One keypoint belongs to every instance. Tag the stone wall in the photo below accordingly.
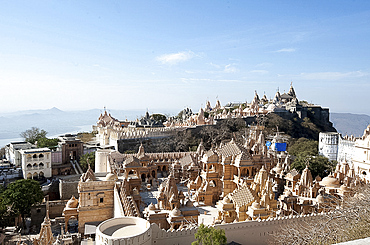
(255, 232)
(38, 212)
(67, 189)
(118, 209)
(259, 232)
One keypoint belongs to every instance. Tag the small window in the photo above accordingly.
(101, 200)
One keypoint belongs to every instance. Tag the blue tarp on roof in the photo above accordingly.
(280, 146)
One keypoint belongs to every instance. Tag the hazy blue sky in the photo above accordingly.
(173, 54)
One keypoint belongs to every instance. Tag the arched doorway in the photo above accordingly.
(72, 225)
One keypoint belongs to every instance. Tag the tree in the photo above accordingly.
(159, 118)
(46, 142)
(2, 152)
(209, 236)
(86, 159)
(21, 195)
(305, 146)
(318, 165)
(306, 152)
(5, 213)
(34, 134)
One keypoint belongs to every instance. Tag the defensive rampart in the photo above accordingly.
(255, 232)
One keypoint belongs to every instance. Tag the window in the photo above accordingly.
(101, 200)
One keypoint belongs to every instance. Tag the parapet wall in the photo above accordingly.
(259, 231)
(179, 237)
(118, 209)
(255, 232)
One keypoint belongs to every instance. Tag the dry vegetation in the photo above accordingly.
(86, 136)
(349, 221)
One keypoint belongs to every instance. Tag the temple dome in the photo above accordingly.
(151, 207)
(256, 205)
(176, 212)
(111, 177)
(226, 199)
(344, 188)
(72, 203)
(330, 181)
(320, 198)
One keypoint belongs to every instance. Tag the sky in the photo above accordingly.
(169, 55)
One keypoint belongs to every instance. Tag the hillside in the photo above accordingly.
(226, 129)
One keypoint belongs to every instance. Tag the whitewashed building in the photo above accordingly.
(346, 147)
(361, 158)
(12, 153)
(36, 163)
(328, 145)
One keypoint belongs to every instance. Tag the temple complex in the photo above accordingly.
(173, 192)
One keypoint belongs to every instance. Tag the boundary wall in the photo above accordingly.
(255, 232)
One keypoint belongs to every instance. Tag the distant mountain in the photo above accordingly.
(56, 121)
(350, 124)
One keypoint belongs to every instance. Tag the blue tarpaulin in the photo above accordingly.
(268, 144)
(280, 146)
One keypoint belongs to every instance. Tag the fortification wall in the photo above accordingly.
(259, 232)
(182, 237)
(255, 232)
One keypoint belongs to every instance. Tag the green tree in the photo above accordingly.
(5, 213)
(46, 142)
(34, 134)
(306, 152)
(86, 159)
(21, 195)
(305, 146)
(2, 152)
(209, 236)
(318, 165)
(159, 117)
